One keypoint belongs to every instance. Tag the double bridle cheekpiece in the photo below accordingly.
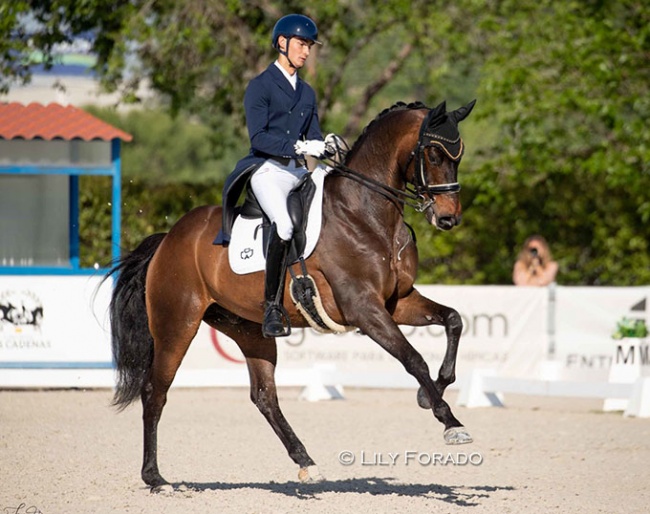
(440, 131)
(436, 130)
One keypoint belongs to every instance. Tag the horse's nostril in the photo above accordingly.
(446, 222)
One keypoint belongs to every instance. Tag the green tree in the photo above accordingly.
(564, 98)
(28, 26)
(170, 149)
(569, 88)
(147, 208)
(198, 55)
(558, 143)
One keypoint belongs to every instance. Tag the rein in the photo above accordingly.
(406, 197)
(412, 197)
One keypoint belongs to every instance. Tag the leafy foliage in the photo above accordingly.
(558, 143)
(564, 88)
(169, 149)
(146, 209)
(630, 328)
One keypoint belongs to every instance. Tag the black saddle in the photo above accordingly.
(298, 204)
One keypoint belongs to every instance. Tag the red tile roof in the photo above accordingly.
(54, 121)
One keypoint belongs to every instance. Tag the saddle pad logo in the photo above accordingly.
(247, 253)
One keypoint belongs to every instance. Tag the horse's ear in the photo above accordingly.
(462, 112)
(439, 110)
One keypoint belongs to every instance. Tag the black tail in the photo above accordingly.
(131, 340)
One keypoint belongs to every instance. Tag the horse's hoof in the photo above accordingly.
(457, 435)
(310, 475)
(423, 400)
(164, 489)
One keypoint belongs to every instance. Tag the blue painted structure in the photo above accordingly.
(74, 172)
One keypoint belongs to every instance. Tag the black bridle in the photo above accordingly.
(429, 138)
(412, 196)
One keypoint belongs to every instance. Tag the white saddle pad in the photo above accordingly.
(245, 251)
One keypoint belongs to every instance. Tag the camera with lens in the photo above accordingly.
(534, 252)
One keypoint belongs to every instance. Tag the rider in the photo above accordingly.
(282, 122)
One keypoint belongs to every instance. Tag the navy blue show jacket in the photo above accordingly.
(276, 117)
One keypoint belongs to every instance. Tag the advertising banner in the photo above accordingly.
(54, 321)
(504, 328)
(61, 322)
(585, 321)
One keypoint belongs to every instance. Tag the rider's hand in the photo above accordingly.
(335, 147)
(313, 148)
(331, 145)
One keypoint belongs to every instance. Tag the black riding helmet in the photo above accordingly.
(295, 25)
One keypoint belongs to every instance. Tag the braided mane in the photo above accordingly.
(399, 106)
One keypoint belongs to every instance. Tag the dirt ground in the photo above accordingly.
(68, 452)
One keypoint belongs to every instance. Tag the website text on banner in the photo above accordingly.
(51, 323)
(505, 328)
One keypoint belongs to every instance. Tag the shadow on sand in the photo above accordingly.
(463, 496)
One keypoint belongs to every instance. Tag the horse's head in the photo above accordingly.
(434, 172)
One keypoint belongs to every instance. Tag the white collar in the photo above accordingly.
(293, 79)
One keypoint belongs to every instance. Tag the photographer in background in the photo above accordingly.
(535, 265)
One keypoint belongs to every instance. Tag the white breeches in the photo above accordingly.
(271, 185)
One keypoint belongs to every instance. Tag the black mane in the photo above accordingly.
(399, 106)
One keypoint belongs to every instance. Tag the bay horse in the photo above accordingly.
(364, 266)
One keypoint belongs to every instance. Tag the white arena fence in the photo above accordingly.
(555, 341)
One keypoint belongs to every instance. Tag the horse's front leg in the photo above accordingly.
(416, 310)
(261, 357)
(376, 322)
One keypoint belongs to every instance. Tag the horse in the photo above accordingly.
(364, 266)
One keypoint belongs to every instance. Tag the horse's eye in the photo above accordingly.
(435, 156)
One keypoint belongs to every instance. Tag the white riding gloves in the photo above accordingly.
(331, 141)
(335, 147)
(313, 148)
(319, 149)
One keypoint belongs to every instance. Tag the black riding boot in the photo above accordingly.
(276, 269)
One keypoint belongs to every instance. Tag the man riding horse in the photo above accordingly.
(282, 122)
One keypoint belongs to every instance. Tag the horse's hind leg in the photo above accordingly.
(173, 326)
(416, 310)
(261, 357)
(154, 398)
(264, 396)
